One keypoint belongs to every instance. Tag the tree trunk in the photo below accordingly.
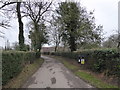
(21, 32)
(56, 47)
(37, 39)
(118, 41)
(72, 43)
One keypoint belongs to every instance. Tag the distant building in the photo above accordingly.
(52, 49)
(47, 49)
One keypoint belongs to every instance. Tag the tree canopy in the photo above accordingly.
(78, 25)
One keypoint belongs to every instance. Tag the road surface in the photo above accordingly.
(53, 74)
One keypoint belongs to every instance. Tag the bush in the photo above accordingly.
(46, 53)
(38, 54)
(13, 63)
(98, 60)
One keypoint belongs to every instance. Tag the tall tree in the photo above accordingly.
(78, 25)
(21, 32)
(42, 34)
(55, 32)
(35, 11)
(111, 42)
(5, 24)
(69, 14)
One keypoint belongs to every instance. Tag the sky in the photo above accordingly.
(105, 12)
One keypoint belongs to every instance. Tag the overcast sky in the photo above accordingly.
(105, 12)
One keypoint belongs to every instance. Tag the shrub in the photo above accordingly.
(13, 63)
(97, 60)
(46, 53)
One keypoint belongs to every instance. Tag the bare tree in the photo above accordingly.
(36, 11)
(55, 32)
(21, 32)
(4, 9)
(5, 23)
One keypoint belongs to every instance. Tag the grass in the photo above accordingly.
(93, 80)
(96, 82)
(70, 66)
(27, 71)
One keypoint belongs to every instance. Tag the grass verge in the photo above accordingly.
(70, 66)
(27, 71)
(94, 81)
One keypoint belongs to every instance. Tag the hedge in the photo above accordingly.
(99, 60)
(13, 63)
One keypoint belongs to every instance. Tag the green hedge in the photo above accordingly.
(100, 60)
(13, 63)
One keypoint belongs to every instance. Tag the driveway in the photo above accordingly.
(53, 74)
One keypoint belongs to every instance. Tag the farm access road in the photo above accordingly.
(53, 74)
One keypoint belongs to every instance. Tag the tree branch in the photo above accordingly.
(7, 3)
(44, 11)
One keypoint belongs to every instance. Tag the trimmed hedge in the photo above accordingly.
(107, 60)
(13, 63)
